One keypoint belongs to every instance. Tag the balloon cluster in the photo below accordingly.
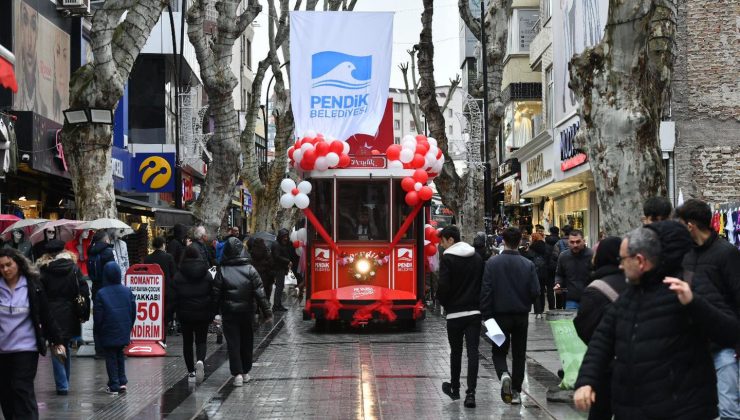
(299, 238)
(416, 188)
(314, 152)
(295, 194)
(416, 152)
(431, 240)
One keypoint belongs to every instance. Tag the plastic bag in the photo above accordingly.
(290, 279)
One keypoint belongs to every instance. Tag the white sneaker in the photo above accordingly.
(199, 370)
(191, 377)
(516, 399)
(238, 380)
(506, 391)
(246, 377)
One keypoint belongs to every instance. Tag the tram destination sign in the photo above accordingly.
(367, 162)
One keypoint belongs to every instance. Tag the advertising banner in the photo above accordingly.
(153, 172)
(340, 76)
(146, 282)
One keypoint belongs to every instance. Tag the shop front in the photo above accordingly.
(513, 209)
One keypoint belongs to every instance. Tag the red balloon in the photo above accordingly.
(435, 240)
(429, 233)
(306, 166)
(295, 191)
(314, 140)
(296, 244)
(426, 193)
(322, 148)
(407, 184)
(309, 156)
(393, 152)
(430, 250)
(412, 198)
(290, 152)
(344, 160)
(337, 147)
(421, 175)
(421, 138)
(422, 148)
(319, 136)
(439, 153)
(418, 161)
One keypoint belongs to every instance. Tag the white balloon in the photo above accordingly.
(287, 201)
(310, 134)
(429, 161)
(406, 156)
(299, 251)
(287, 185)
(305, 187)
(417, 186)
(432, 141)
(297, 156)
(333, 159)
(306, 146)
(293, 236)
(302, 235)
(302, 201)
(408, 137)
(346, 148)
(395, 164)
(409, 145)
(321, 164)
(437, 167)
(433, 150)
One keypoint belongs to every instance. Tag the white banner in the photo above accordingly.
(340, 64)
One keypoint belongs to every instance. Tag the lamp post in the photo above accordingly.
(265, 110)
(487, 199)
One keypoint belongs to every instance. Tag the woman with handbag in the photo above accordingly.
(69, 302)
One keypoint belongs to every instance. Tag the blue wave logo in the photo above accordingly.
(335, 69)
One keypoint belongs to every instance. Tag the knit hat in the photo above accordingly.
(607, 253)
(54, 246)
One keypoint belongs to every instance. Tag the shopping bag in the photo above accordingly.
(290, 279)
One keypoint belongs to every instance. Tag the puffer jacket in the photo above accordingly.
(62, 280)
(574, 272)
(237, 284)
(460, 275)
(191, 291)
(115, 309)
(662, 366)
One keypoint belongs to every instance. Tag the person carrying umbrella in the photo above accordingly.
(19, 242)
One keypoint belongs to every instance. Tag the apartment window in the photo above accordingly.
(522, 30)
(412, 126)
(450, 130)
(550, 94)
(449, 112)
(249, 54)
(397, 140)
(243, 52)
(396, 124)
(396, 108)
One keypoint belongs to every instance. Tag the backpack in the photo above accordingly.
(541, 266)
(95, 267)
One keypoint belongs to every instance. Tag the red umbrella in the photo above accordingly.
(7, 220)
(7, 75)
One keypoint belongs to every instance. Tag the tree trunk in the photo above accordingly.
(622, 83)
(116, 42)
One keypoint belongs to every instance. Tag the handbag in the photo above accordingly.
(81, 303)
(290, 279)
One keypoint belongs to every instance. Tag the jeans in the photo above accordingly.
(572, 304)
(200, 330)
(17, 396)
(727, 367)
(514, 327)
(61, 370)
(457, 328)
(279, 286)
(239, 342)
(115, 364)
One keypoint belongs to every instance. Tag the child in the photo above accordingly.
(114, 313)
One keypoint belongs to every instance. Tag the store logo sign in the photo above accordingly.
(322, 262)
(570, 156)
(154, 172)
(536, 170)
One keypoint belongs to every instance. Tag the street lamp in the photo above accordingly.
(267, 100)
(88, 116)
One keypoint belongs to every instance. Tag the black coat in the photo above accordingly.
(207, 253)
(262, 261)
(281, 257)
(510, 285)
(236, 287)
(44, 324)
(176, 248)
(662, 366)
(460, 274)
(574, 272)
(594, 303)
(539, 255)
(62, 280)
(165, 261)
(192, 288)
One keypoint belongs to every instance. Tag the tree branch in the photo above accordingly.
(471, 21)
(404, 69)
(451, 91)
(247, 17)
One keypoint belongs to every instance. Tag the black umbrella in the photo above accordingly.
(266, 236)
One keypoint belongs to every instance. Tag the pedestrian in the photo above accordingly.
(176, 245)
(538, 254)
(191, 300)
(25, 325)
(114, 312)
(166, 263)
(235, 289)
(573, 271)
(460, 273)
(479, 243)
(99, 254)
(63, 283)
(200, 240)
(120, 250)
(713, 257)
(262, 262)
(39, 248)
(281, 264)
(510, 286)
(19, 242)
(656, 209)
(655, 337)
(608, 283)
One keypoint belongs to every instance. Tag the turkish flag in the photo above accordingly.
(7, 75)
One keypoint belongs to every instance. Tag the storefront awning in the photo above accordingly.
(556, 189)
(163, 217)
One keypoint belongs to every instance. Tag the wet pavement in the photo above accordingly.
(375, 372)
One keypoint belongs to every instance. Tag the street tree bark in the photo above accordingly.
(119, 31)
(214, 57)
(263, 180)
(623, 84)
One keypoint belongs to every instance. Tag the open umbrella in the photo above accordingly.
(106, 223)
(65, 229)
(7, 220)
(266, 236)
(26, 224)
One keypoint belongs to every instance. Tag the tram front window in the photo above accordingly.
(362, 211)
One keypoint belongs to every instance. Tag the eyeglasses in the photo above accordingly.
(621, 258)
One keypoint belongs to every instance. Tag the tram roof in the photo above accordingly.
(363, 173)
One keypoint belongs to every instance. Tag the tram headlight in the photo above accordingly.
(362, 266)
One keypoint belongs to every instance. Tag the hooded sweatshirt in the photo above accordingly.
(460, 272)
(115, 309)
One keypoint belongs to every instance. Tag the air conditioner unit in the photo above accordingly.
(73, 8)
(75, 3)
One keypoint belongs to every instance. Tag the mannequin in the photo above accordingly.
(78, 246)
(40, 248)
(120, 250)
(18, 241)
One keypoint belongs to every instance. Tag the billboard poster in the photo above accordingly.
(42, 64)
(153, 172)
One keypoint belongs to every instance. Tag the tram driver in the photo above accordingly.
(363, 228)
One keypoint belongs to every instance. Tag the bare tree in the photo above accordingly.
(214, 57)
(622, 84)
(119, 31)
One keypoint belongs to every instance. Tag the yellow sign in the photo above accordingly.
(155, 172)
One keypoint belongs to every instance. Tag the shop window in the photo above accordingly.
(402, 211)
(362, 210)
(323, 200)
(523, 122)
(522, 30)
(396, 107)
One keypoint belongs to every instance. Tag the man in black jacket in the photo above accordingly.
(719, 261)
(574, 269)
(176, 245)
(166, 262)
(282, 263)
(509, 288)
(656, 334)
(460, 271)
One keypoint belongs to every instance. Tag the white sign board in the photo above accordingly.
(148, 290)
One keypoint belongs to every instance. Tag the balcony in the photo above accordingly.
(539, 45)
